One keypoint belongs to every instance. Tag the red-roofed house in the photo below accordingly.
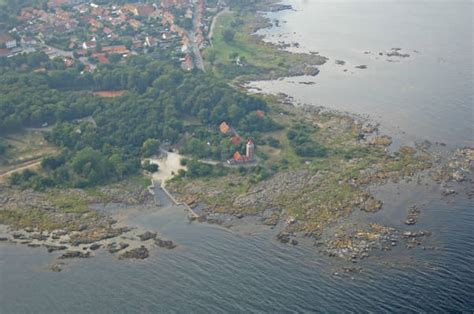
(120, 49)
(224, 127)
(8, 41)
(101, 58)
(89, 45)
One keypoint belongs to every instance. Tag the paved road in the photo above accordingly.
(197, 57)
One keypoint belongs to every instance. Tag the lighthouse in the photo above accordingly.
(250, 150)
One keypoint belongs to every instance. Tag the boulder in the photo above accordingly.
(138, 253)
(53, 248)
(147, 236)
(75, 254)
(167, 244)
(283, 237)
(95, 246)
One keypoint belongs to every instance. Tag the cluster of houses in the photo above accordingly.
(93, 30)
(236, 139)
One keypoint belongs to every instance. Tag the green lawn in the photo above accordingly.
(259, 57)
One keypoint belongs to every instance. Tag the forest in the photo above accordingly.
(104, 139)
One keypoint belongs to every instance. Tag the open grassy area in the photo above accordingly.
(24, 148)
(257, 58)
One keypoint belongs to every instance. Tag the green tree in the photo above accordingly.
(150, 147)
(228, 35)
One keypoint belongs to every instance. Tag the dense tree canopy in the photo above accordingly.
(103, 138)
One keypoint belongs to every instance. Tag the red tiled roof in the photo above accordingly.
(4, 52)
(236, 140)
(120, 49)
(224, 127)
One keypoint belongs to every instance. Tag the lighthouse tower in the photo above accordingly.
(250, 150)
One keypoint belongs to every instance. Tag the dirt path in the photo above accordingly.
(214, 21)
(31, 164)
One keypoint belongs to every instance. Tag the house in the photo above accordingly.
(146, 10)
(87, 45)
(150, 42)
(249, 156)
(188, 64)
(8, 41)
(224, 127)
(81, 52)
(68, 62)
(28, 41)
(135, 24)
(101, 58)
(119, 49)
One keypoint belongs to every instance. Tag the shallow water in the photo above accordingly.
(427, 96)
(215, 270)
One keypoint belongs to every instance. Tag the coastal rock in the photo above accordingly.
(95, 246)
(55, 268)
(280, 7)
(424, 145)
(114, 247)
(447, 192)
(40, 237)
(148, 235)
(20, 236)
(75, 254)
(383, 140)
(137, 253)
(412, 217)
(311, 70)
(283, 237)
(167, 244)
(54, 248)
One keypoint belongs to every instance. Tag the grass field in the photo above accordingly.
(26, 147)
(257, 56)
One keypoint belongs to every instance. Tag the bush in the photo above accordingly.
(150, 167)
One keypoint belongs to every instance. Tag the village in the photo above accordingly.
(79, 31)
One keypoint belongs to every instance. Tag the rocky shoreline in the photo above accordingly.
(37, 220)
(261, 204)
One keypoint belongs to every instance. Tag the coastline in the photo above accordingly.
(235, 201)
